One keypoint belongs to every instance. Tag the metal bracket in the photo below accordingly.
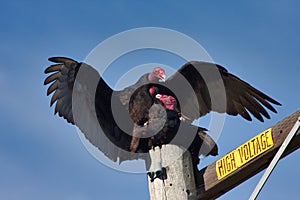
(154, 165)
(275, 160)
(161, 174)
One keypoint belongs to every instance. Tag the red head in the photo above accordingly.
(152, 90)
(158, 74)
(169, 101)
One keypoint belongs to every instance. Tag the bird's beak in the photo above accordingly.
(163, 78)
(158, 96)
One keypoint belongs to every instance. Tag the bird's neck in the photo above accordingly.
(152, 78)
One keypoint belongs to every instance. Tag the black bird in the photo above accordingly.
(158, 118)
(104, 116)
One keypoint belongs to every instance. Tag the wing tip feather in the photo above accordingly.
(60, 59)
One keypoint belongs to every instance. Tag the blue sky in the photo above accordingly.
(42, 157)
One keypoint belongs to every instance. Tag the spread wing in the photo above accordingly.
(202, 87)
(62, 81)
(84, 99)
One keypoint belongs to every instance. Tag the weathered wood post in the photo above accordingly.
(178, 180)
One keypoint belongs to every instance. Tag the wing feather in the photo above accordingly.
(263, 101)
(86, 103)
(54, 97)
(251, 108)
(53, 68)
(241, 110)
(57, 106)
(52, 77)
(52, 87)
(218, 90)
(258, 106)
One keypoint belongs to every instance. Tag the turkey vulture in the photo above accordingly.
(163, 131)
(157, 118)
(84, 99)
(106, 118)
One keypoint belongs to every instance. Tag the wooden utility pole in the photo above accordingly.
(224, 174)
(178, 179)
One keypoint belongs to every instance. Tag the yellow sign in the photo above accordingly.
(244, 153)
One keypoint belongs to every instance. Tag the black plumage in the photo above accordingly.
(107, 118)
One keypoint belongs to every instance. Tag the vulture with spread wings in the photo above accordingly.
(108, 118)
